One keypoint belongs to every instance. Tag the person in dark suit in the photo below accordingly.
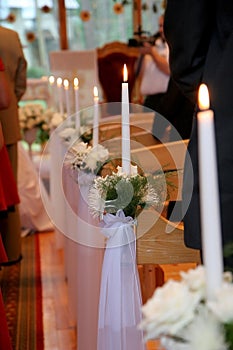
(165, 97)
(200, 38)
(12, 55)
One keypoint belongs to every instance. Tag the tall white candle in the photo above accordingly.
(76, 98)
(125, 124)
(52, 93)
(209, 195)
(96, 118)
(67, 97)
(60, 95)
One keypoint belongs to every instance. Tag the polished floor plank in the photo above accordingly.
(59, 332)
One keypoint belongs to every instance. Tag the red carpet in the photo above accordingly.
(22, 294)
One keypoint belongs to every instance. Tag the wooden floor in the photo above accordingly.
(59, 332)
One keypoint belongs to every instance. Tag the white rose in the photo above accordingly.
(205, 332)
(91, 161)
(222, 306)
(101, 152)
(82, 147)
(56, 119)
(195, 280)
(67, 132)
(169, 310)
(30, 123)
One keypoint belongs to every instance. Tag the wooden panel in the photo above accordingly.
(169, 156)
(163, 242)
(160, 241)
(140, 132)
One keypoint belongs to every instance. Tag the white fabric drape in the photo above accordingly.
(90, 250)
(34, 200)
(120, 295)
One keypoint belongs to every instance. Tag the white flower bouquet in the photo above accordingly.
(130, 193)
(180, 315)
(31, 116)
(35, 116)
(81, 156)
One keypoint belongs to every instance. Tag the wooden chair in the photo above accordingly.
(111, 59)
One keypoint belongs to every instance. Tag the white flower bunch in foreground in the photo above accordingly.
(182, 318)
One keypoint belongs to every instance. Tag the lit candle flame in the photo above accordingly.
(203, 97)
(66, 84)
(76, 83)
(125, 73)
(59, 82)
(51, 80)
(95, 91)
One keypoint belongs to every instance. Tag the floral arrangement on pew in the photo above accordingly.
(37, 122)
(127, 193)
(70, 134)
(180, 315)
(83, 157)
(117, 200)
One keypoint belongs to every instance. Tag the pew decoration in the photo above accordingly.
(37, 123)
(117, 199)
(128, 193)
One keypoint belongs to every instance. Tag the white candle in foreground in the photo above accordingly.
(76, 98)
(96, 118)
(67, 97)
(60, 95)
(125, 124)
(209, 195)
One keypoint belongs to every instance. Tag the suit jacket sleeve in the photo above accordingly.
(188, 25)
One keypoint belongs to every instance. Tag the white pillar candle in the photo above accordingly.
(125, 124)
(67, 97)
(60, 95)
(209, 195)
(76, 98)
(96, 118)
(52, 94)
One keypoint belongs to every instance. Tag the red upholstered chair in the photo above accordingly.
(111, 59)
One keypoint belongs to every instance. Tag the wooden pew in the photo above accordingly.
(140, 132)
(160, 241)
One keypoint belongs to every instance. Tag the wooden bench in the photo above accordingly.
(160, 241)
(140, 132)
